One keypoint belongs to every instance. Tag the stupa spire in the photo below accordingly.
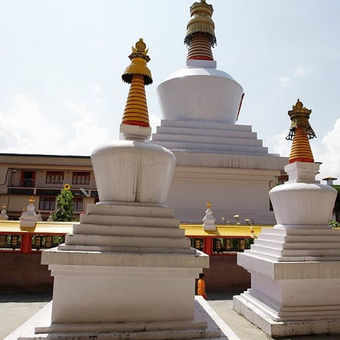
(300, 132)
(200, 35)
(138, 75)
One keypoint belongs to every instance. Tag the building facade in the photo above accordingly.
(43, 177)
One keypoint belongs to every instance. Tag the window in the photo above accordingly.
(78, 204)
(225, 245)
(197, 243)
(46, 203)
(54, 177)
(27, 179)
(81, 178)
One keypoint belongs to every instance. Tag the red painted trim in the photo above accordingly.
(135, 122)
(239, 108)
(200, 58)
(306, 160)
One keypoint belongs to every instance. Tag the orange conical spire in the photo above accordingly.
(200, 35)
(138, 75)
(300, 132)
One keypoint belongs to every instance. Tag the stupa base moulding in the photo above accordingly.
(205, 325)
(256, 313)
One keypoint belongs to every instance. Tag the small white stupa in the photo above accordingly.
(295, 267)
(3, 214)
(28, 218)
(127, 271)
(200, 105)
(209, 219)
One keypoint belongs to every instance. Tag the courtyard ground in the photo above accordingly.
(17, 308)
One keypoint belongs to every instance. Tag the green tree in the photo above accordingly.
(64, 211)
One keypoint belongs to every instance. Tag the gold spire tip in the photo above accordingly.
(201, 22)
(300, 131)
(299, 116)
(139, 57)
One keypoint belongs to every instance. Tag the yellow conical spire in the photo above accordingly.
(200, 35)
(300, 132)
(138, 75)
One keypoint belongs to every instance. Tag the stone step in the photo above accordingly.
(129, 210)
(203, 124)
(299, 245)
(295, 252)
(129, 220)
(299, 258)
(145, 335)
(205, 132)
(129, 326)
(299, 238)
(208, 147)
(129, 241)
(207, 139)
(303, 230)
(128, 249)
(118, 230)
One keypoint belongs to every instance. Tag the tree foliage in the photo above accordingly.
(64, 211)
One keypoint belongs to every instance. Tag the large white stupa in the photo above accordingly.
(217, 160)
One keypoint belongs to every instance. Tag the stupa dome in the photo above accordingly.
(199, 91)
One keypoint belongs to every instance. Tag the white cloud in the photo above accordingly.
(328, 152)
(87, 133)
(278, 144)
(25, 128)
(154, 120)
(294, 73)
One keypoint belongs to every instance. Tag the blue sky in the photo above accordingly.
(61, 64)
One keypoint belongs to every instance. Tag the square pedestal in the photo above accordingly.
(206, 324)
(291, 298)
(121, 287)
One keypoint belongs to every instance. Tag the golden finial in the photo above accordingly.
(208, 205)
(138, 75)
(31, 200)
(3, 207)
(299, 116)
(139, 57)
(201, 22)
(300, 131)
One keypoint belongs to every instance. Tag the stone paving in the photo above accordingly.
(17, 308)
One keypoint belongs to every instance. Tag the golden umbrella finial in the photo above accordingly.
(300, 131)
(200, 36)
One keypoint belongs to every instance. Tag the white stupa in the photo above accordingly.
(295, 267)
(217, 160)
(127, 271)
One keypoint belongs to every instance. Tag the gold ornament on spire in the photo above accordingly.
(139, 57)
(300, 131)
(201, 22)
(138, 75)
(299, 116)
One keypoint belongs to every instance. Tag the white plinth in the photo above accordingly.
(222, 163)
(159, 290)
(205, 325)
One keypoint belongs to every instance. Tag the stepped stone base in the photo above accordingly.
(295, 281)
(206, 325)
(257, 313)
